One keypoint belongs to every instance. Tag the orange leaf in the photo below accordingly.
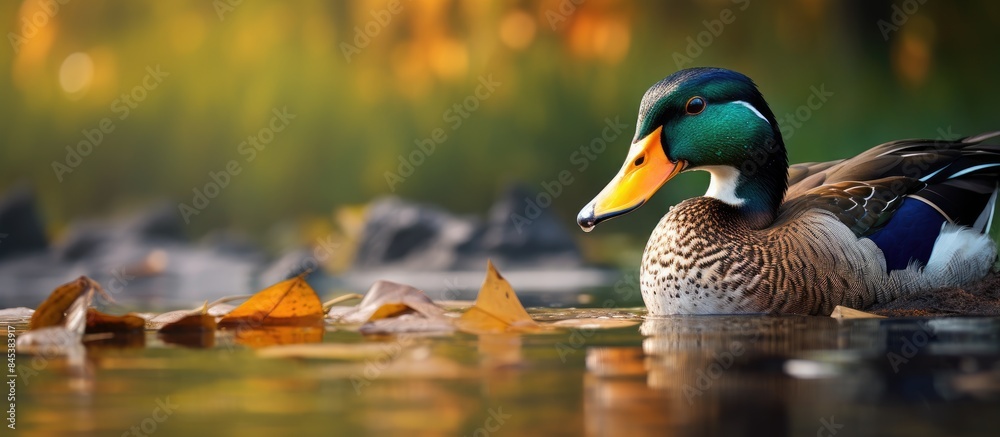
(101, 322)
(497, 308)
(289, 302)
(52, 312)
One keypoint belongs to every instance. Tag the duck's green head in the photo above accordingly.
(709, 119)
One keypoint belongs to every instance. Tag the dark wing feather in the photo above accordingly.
(959, 177)
(799, 172)
(863, 206)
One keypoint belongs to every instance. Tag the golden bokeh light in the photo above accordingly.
(76, 73)
(517, 29)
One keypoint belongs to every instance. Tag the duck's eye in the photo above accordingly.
(695, 105)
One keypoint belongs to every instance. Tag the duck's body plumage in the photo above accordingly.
(903, 217)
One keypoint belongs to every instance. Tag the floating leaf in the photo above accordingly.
(217, 308)
(196, 329)
(52, 312)
(842, 312)
(191, 322)
(161, 320)
(101, 322)
(15, 315)
(196, 320)
(350, 296)
(497, 308)
(389, 308)
(220, 310)
(386, 299)
(57, 327)
(289, 302)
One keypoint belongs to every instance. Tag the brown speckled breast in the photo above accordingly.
(703, 259)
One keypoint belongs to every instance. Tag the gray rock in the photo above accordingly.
(140, 259)
(406, 235)
(288, 266)
(160, 221)
(524, 234)
(21, 227)
(158, 224)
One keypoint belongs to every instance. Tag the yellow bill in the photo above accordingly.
(645, 171)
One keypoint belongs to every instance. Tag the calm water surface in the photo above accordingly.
(721, 375)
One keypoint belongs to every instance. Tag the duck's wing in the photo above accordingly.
(863, 206)
(799, 172)
(956, 178)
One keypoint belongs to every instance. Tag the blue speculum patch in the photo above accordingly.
(909, 235)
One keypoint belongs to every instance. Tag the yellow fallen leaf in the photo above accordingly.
(497, 308)
(52, 312)
(842, 312)
(290, 302)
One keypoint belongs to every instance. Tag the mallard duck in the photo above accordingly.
(903, 217)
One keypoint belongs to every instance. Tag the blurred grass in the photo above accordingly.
(559, 83)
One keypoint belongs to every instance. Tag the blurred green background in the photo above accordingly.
(563, 68)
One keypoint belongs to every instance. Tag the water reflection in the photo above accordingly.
(796, 375)
(677, 376)
(277, 335)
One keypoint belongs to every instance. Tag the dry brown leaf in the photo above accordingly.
(192, 339)
(101, 322)
(196, 329)
(190, 323)
(288, 303)
(52, 312)
(160, 320)
(497, 308)
(64, 338)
